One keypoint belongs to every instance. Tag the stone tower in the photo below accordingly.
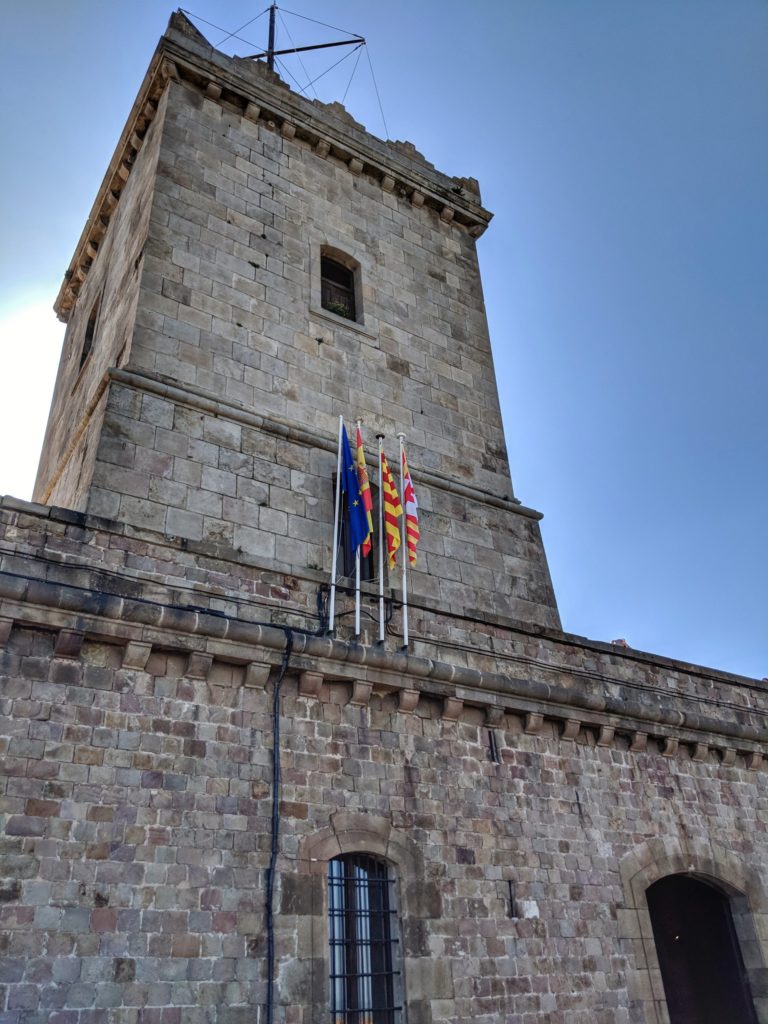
(213, 812)
(203, 374)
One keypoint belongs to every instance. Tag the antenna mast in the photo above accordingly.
(271, 43)
(270, 53)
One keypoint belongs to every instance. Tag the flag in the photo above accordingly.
(365, 491)
(411, 513)
(392, 511)
(350, 486)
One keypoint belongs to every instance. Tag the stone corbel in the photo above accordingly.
(69, 644)
(452, 708)
(570, 729)
(605, 736)
(407, 700)
(700, 752)
(639, 742)
(494, 716)
(754, 760)
(213, 91)
(288, 130)
(447, 214)
(361, 693)
(256, 674)
(533, 723)
(124, 171)
(136, 141)
(387, 182)
(310, 683)
(136, 655)
(198, 665)
(670, 746)
(169, 71)
(6, 625)
(728, 756)
(417, 198)
(91, 250)
(322, 148)
(355, 165)
(252, 111)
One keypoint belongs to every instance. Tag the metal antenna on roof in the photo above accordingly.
(270, 53)
(271, 43)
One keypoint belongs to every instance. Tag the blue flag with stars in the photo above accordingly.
(350, 486)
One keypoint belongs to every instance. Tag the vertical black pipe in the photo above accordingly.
(271, 44)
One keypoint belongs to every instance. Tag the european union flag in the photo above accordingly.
(350, 485)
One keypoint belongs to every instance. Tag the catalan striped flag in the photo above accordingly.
(411, 513)
(365, 492)
(392, 511)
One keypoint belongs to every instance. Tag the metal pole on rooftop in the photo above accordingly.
(271, 44)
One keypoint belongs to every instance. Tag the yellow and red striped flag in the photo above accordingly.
(365, 493)
(411, 513)
(392, 511)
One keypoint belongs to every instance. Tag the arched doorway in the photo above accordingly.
(698, 950)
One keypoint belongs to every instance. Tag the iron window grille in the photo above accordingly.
(363, 942)
(337, 288)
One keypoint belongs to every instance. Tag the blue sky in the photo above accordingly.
(623, 148)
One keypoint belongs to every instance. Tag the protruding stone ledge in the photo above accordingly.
(361, 693)
(322, 148)
(257, 674)
(728, 756)
(639, 742)
(452, 708)
(69, 644)
(606, 735)
(700, 752)
(754, 760)
(571, 728)
(198, 665)
(355, 166)
(533, 723)
(136, 655)
(407, 701)
(447, 214)
(417, 198)
(252, 111)
(6, 625)
(288, 130)
(494, 716)
(669, 749)
(310, 683)
(213, 91)
(388, 183)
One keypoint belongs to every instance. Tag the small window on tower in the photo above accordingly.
(337, 283)
(90, 333)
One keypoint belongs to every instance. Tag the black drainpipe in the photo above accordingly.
(276, 791)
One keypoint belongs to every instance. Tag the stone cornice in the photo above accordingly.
(670, 719)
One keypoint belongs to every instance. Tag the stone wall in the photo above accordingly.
(73, 434)
(136, 693)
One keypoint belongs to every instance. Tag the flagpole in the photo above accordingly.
(332, 604)
(380, 439)
(357, 571)
(404, 546)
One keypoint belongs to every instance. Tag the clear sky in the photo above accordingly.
(623, 147)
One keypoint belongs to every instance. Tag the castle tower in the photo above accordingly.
(212, 811)
(255, 265)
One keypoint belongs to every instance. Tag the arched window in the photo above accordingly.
(362, 929)
(337, 287)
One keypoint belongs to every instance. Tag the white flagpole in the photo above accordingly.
(336, 510)
(357, 593)
(403, 546)
(380, 439)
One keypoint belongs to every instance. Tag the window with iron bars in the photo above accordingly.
(337, 288)
(363, 941)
